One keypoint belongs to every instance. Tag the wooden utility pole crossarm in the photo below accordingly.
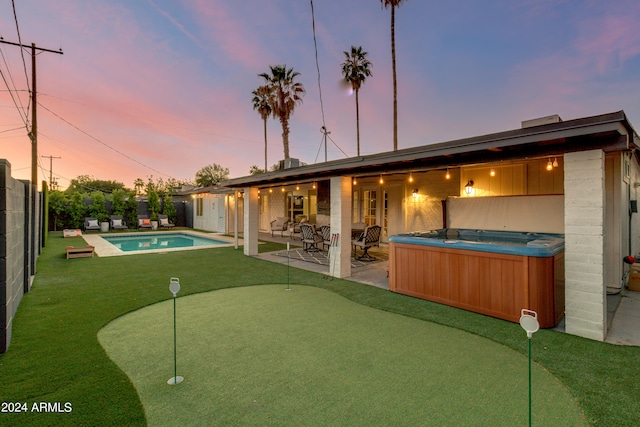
(33, 134)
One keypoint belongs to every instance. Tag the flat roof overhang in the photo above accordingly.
(609, 132)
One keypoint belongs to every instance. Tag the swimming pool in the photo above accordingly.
(160, 241)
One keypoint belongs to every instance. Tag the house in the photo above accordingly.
(586, 169)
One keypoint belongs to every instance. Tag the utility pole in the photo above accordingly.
(33, 134)
(51, 169)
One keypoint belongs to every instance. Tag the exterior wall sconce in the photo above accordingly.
(469, 188)
(415, 193)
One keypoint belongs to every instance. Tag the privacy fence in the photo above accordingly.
(20, 244)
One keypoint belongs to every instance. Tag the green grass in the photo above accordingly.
(55, 355)
(260, 355)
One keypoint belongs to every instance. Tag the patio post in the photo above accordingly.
(251, 221)
(341, 189)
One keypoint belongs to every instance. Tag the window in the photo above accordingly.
(369, 207)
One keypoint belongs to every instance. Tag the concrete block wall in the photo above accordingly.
(585, 292)
(14, 256)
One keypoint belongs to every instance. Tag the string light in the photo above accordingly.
(410, 177)
(447, 175)
(381, 180)
(555, 162)
(355, 181)
(549, 165)
(493, 172)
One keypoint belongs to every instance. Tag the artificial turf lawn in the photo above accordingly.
(55, 355)
(262, 355)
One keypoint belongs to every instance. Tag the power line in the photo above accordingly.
(103, 143)
(24, 64)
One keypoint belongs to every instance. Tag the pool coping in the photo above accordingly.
(105, 249)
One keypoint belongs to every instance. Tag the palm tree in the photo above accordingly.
(356, 68)
(262, 103)
(394, 4)
(286, 93)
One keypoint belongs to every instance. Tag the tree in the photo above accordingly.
(356, 68)
(139, 185)
(211, 175)
(57, 208)
(88, 184)
(254, 170)
(131, 209)
(262, 103)
(98, 208)
(285, 94)
(393, 4)
(168, 209)
(118, 202)
(76, 210)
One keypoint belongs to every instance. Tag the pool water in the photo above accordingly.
(159, 241)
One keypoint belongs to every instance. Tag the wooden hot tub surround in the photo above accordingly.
(491, 283)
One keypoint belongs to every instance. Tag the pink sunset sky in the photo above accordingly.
(162, 88)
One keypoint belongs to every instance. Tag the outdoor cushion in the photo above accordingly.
(145, 221)
(164, 221)
(93, 223)
(117, 222)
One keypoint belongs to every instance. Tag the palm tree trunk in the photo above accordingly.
(285, 136)
(357, 122)
(265, 145)
(395, 85)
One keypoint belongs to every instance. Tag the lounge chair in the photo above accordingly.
(369, 238)
(310, 238)
(91, 224)
(144, 222)
(163, 221)
(117, 223)
(279, 225)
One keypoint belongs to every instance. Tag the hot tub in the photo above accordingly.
(497, 273)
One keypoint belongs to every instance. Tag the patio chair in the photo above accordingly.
(310, 238)
(294, 227)
(325, 232)
(280, 225)
(91, 224)
(117, 223)
(164, 221)
(369, 238)
(144, 222)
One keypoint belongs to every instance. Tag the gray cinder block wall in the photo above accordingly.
(19, 245)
